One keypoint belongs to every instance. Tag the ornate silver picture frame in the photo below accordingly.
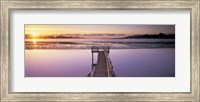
(8, 5)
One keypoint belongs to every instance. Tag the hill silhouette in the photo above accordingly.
(155, 36)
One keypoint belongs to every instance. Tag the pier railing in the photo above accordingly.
(96, 49)
(109, 65)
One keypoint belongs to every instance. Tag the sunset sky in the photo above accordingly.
(38, 29)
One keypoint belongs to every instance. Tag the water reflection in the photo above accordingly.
(34, 41)
(34, 44)
(144, 62)
(77, 63)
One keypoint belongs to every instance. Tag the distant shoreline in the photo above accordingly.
(154, 36)
(103, 36)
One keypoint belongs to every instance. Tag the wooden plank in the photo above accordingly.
(101, 69)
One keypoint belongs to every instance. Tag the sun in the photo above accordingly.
(34, 34)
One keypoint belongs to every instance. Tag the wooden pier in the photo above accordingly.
(103, 67)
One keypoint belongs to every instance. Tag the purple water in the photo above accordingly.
(77, 63)
(144, 62)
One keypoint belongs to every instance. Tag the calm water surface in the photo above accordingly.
(157, 62)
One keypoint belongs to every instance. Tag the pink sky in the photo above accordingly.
(38, 29)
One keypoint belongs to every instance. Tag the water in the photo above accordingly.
(144, 62)
(87, 43)
(73, 58)
(154, 62)
(57, 63)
